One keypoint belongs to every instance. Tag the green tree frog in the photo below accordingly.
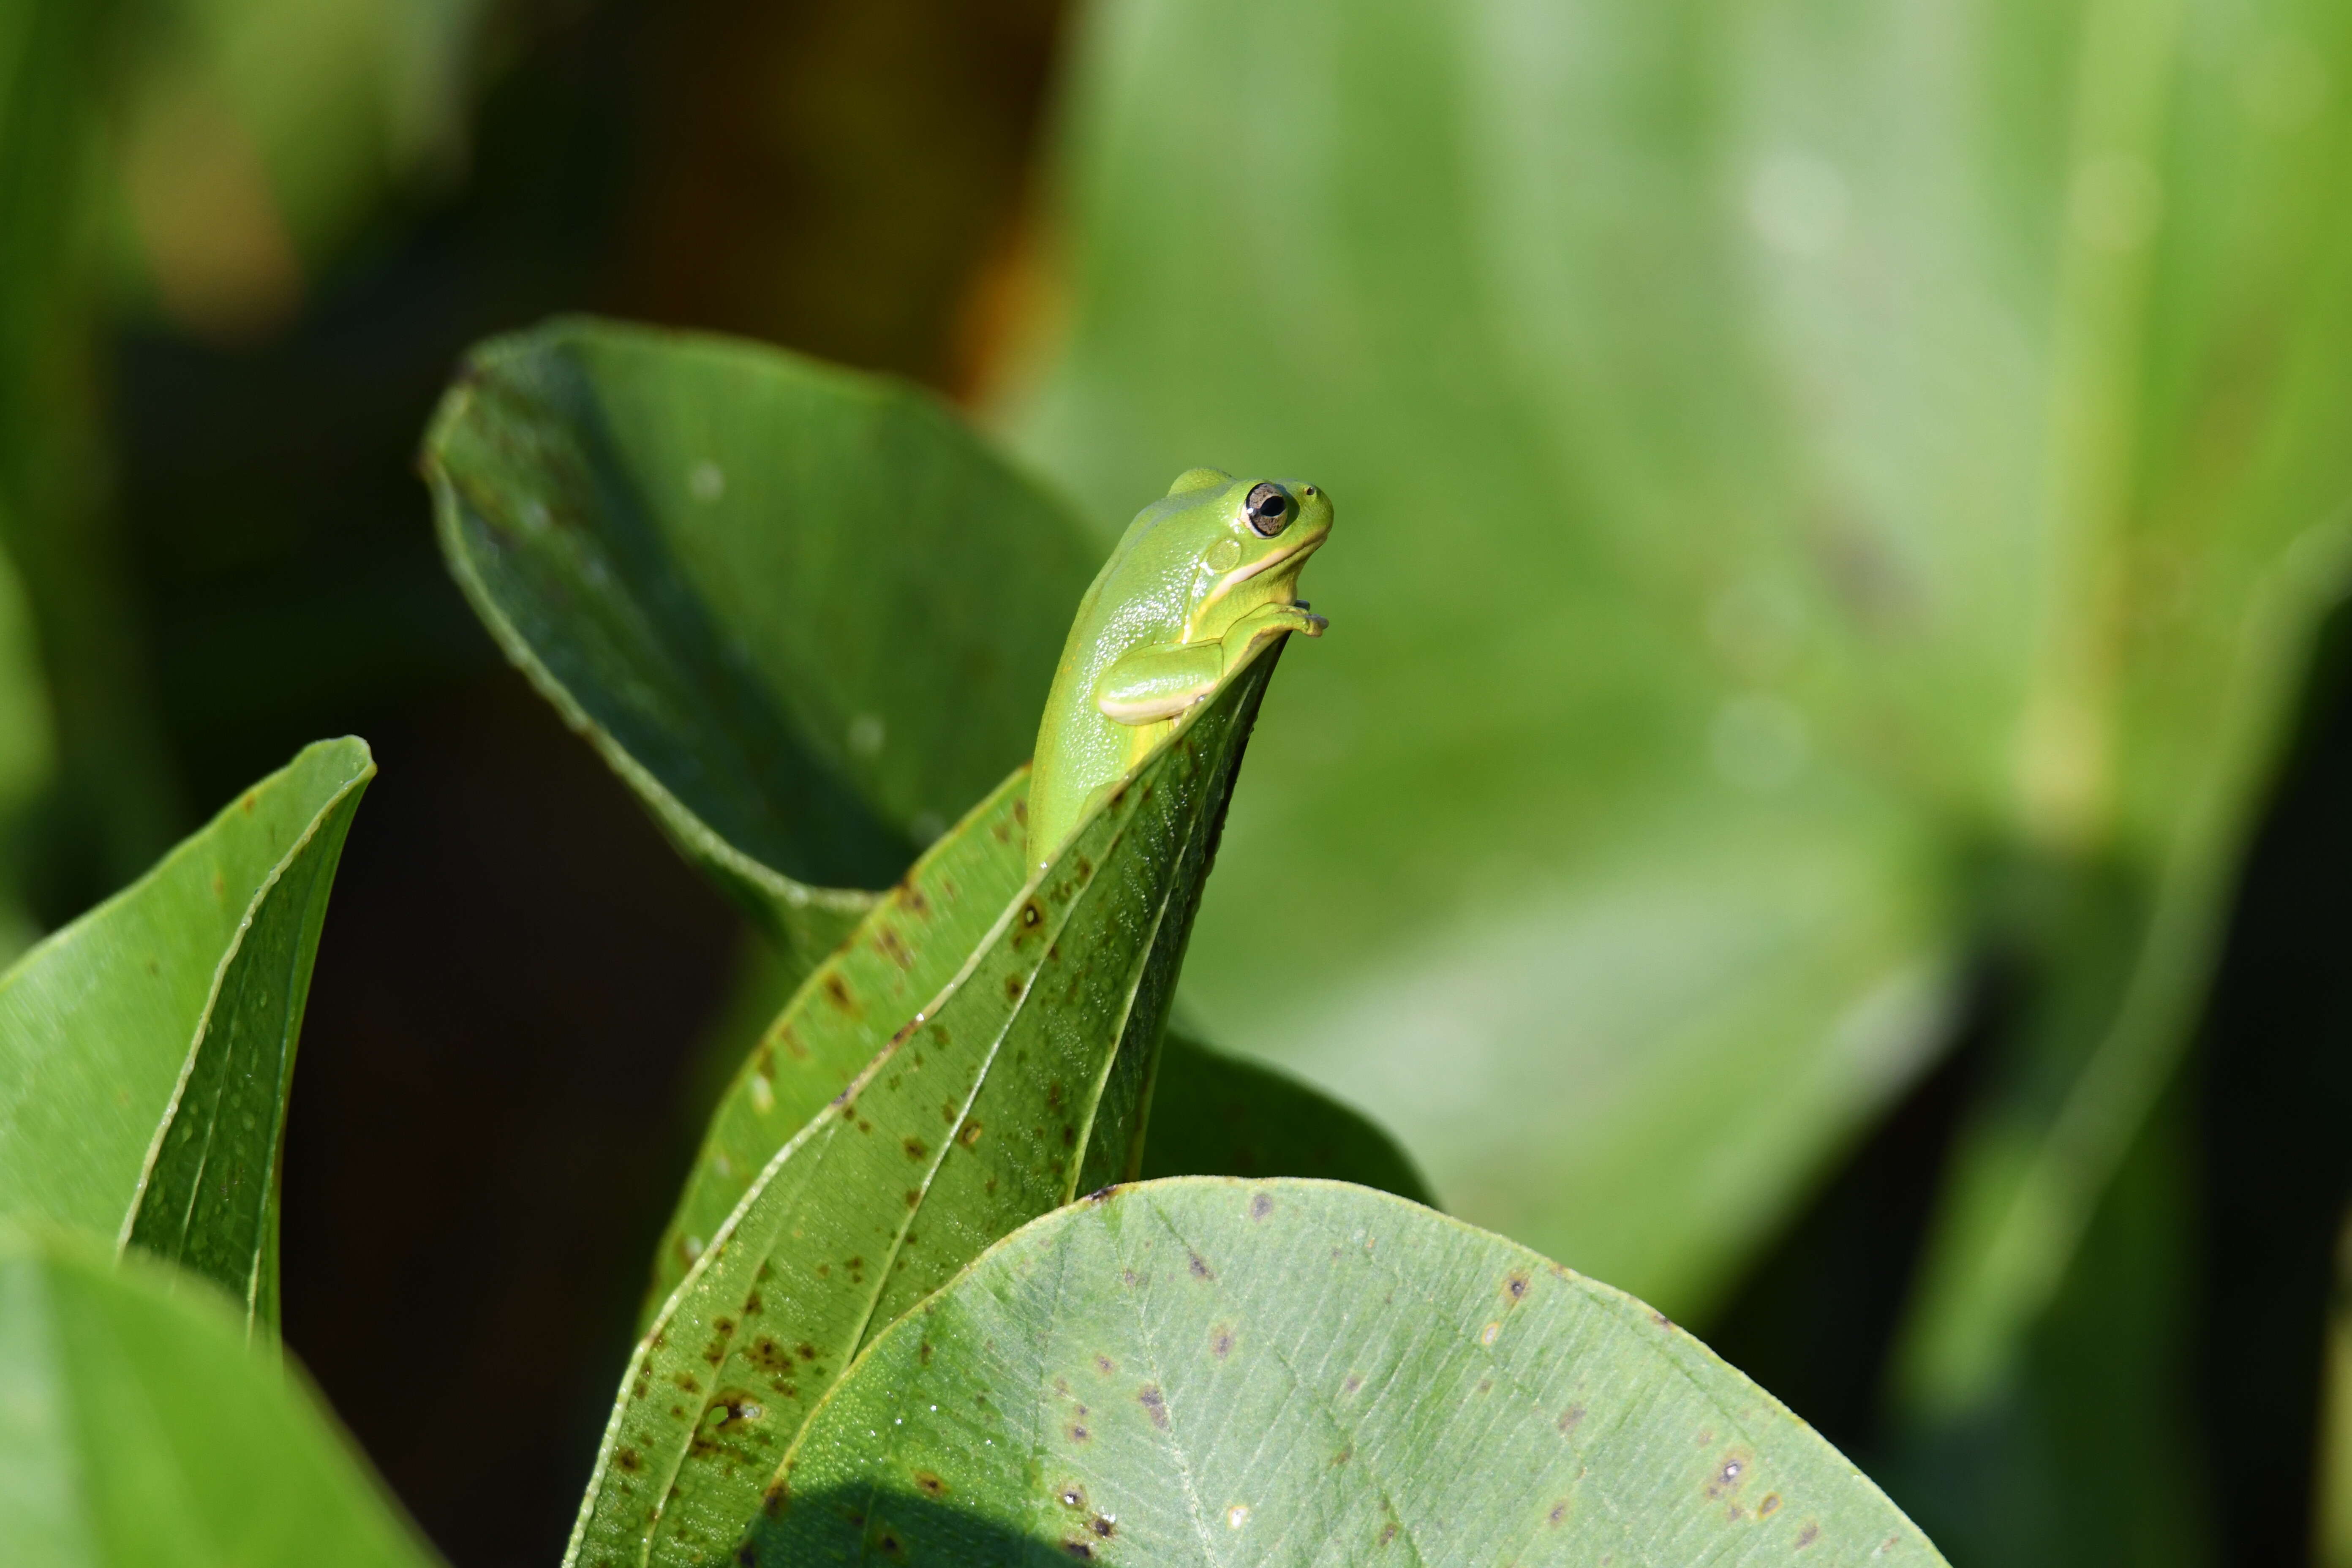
(1202, 579)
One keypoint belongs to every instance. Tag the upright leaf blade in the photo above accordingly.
(146, 1051)
(805, 614)
(1209, 1372)
(1019, 1085)
(140, 1429)
(902, 956)
(1210, 1114)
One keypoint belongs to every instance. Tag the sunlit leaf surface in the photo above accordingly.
(1018, 1085)
(1218, 1372)
(147, 1049)
(1210, 1114)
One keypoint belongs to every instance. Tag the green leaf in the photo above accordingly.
(907, 952)
(140, 1429)
(1021, 1083)
(1214, 1371)
(1781, 454)
(1209, 1115)
(805, 614)
(1215, 1115)
(147, 1049)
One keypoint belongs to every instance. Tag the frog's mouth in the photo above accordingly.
(1300, 548)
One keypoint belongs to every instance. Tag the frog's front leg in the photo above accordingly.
(1148, 684)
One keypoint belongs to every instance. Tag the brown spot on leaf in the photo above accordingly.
(916, 1149)
(1080, 1550)
(1559, 1514)
(1355, 1380)
(1155, 1404)
(836, 991)
(1770, 1506)
(1571, 1417)
(1013, 987)
(970, 1136)
(1079, 1434)
(1388, 1533)
(1104, 1364)
(929, 1485)
(1103, 1525)
(1807, 1536)
(1221, 1342)
(1261, 1205)
(1074, 1496)
(630, 1460)
(1200, 1267)
(1515, 1286)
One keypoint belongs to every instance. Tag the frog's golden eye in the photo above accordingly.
(1268, 508)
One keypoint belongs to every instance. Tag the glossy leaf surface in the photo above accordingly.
(147, 1049)
(1210, 1114)
(1780, 455)
(805, 614)
(1019, 1085)
(139, 1430)
(1218, 1372)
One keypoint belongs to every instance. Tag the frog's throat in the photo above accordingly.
(1293, 559)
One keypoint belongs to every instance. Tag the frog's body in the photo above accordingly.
(1201, 578)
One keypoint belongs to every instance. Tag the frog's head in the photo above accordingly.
(1247, 539)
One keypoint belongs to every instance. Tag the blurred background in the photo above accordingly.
(1824, 804)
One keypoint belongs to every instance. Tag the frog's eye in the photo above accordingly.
(1268, 508)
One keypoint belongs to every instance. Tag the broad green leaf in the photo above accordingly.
(147, 1049)
(1209, 1115)
(138, 1430)
(1785, 454)
(1215, 1115)
(904, 954)
(805, 614)
(1219, 1372)
(1020, 1084)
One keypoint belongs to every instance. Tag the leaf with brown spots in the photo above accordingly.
(931, 920)
(1240, 1443)
(1058, 1064)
